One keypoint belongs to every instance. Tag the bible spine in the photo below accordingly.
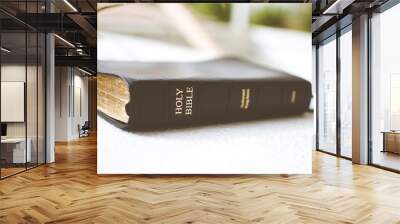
(163, 104)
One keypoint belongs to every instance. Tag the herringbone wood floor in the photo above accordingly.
(69, 191)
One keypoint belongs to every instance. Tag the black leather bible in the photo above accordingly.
(153, 96)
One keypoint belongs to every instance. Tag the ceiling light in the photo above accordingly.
(64, 40)
(5, 50)
(79, 51)
(84, 71)
(70, 5)
(337, 7)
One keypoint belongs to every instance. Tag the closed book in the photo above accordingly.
(153, 96)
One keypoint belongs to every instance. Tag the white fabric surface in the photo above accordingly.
(258, 147)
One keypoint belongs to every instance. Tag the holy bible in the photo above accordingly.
(153, 96)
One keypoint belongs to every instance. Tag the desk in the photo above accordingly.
(391, 141)
(13, 150)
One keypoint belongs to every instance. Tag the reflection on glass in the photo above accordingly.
(327, 97)
(13, 86)
(41, 98)
(31, 100)
(386, 89)
(22, 92)
(394, 102)
(346, 94)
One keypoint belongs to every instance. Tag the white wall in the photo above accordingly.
(80, 109)
(12, 73)
(70, 84)
(33, 125)
(61, 103)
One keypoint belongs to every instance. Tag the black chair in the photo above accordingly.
(84, 130)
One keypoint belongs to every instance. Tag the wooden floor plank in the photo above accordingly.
(70, 191)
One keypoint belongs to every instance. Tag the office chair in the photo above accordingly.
(84, 130)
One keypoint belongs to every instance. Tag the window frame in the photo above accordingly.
(333, 37)
(380, 9)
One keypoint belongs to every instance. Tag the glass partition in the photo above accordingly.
(23, 91)
(31, 99)
(41, 109)
(13, 94)
(385, 89)
(346, 94)
(327, 96)
(32, 83)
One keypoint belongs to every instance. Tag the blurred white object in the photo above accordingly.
(189, 26)
(120, 47)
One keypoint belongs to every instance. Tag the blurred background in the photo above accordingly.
(274, 15)
(276, 35)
